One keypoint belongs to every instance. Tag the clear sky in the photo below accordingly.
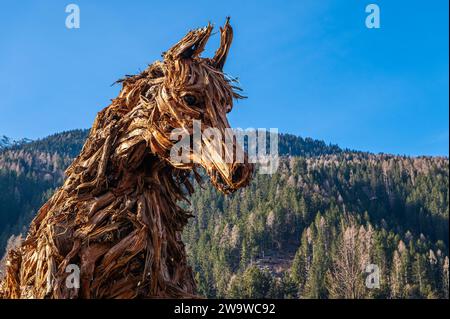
(310, 68)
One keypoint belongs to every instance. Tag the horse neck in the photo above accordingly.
(120, 154)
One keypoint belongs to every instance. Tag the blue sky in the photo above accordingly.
(310, 68)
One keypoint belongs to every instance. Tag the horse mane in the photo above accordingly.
(118, 214)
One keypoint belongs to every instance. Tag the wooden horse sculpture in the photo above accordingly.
(117, 216)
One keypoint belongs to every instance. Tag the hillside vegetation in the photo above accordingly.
(307, 231)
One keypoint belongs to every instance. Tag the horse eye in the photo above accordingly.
(190, 100)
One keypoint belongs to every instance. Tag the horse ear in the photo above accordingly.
(191, 45)
(226, 37)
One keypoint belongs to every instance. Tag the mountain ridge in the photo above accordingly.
(6, 142)
(266, 232)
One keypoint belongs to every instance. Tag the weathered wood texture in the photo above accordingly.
(117, 216)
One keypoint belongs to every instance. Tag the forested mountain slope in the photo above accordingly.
(302, 222)
(29, 173)
(287, 234)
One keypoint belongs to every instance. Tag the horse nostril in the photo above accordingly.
(237, 174)
(220, 179)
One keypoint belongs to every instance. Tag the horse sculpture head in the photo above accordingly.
(117, 213)
(186, 88)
